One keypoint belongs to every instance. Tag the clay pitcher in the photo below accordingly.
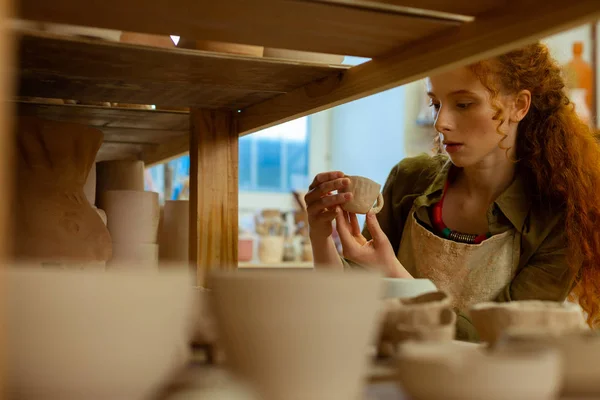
(55, 223)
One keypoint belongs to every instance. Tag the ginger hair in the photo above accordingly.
(558, 156)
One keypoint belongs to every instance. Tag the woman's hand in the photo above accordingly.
(376, 253)
(321, 204)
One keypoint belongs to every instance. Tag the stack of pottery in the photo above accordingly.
(132, 213)
(426, 318)
(175, 232)
(270, 228)
(55, 223)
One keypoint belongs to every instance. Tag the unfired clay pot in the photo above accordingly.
(433, 371)
(270, 249)
(147, 39)
(132, 215)
(135, 256)
(221, 47)
(579, 350)
(405, 288)
(492, 319)
(365, 192)
(118, 175)
(175, 231)
(306, 56)
(55, 223)
(95, 335)
(298, 334)
(428, 317)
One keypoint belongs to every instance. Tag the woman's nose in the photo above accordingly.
(443, 121)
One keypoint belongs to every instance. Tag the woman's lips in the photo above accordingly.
(452, 147)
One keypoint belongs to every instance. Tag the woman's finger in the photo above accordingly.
(356, 231)
(374, 229)
(343, 228)
(324, 177)
(328, 202)
(324, 189)
(326, 216)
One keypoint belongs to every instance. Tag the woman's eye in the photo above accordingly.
(436, 106)
(463, 105)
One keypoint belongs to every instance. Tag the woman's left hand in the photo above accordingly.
(377, 252)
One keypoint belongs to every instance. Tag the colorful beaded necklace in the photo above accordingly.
(447, 232)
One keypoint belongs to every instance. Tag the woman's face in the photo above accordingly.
(463, 114)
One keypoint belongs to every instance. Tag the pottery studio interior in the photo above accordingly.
(300, 200)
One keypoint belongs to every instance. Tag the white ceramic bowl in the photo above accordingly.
(580, 352)
(95, 335)
(492, 319)
(432, 371)
(298, 334)
(402, 288)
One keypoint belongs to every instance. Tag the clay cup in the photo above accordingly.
(365, 193)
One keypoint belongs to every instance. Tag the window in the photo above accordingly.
(271, 160)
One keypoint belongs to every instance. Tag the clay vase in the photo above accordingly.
(95, 335)
(446, 370)
(492, 319)
(270, 249)
(579, 351)
(118, 175)
(365, 192)
(90, 185)
(132, 215)
(175, 231)
(245, 248)
(304, 333)
(55, 223)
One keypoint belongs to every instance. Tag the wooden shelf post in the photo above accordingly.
(213, 191)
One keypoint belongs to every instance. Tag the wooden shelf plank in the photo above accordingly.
(489, 35)
(300, 25)
(109, 117)
(95, 70)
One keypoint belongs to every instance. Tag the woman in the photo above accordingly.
(510, 212)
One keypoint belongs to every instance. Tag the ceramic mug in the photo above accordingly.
(365, 193)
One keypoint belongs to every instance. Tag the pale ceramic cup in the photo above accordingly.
(365, 192)
(579, 350)
(446, 370)
(304, 335)
(95, 335)
(402, 287)
(492, 319)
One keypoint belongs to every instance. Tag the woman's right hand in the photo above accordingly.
(321, 204)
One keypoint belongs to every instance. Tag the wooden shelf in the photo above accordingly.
(128, 133)
(96, 70)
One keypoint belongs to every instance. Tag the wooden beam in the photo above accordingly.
(213, 191)
(167, 151)
(492, 34)
(299, 25)
(433, 8)
(7, 170)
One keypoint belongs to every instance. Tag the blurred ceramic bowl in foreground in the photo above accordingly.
(402, 288)
(298, 334)
(579, 350)
(95, 335)
(449, 371)
(492, 319)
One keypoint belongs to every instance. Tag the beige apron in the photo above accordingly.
(470, 273)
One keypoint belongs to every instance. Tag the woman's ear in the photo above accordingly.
(521, 105)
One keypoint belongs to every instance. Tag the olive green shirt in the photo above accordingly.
(542, 273)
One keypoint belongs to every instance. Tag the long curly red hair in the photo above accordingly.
(559, 153)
